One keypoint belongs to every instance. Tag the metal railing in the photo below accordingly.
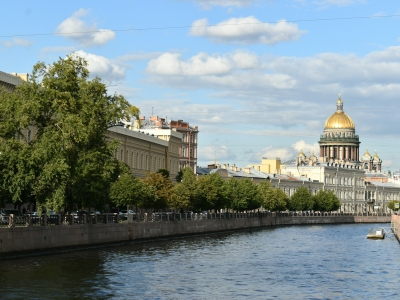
(73, 219)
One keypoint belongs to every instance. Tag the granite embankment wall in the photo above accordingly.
(17, 239)
(148, 230)
(32, 238)
(396, 226)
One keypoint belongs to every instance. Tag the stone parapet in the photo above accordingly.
(17, 239)
(396, 226)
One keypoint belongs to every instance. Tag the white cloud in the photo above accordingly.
(138, 56)
(206, 4)
(247, 30)
(17, 42)
(199, 65)
(102, 66)
(76, 29)
(221, 153)
(285, 95)
(287, 153)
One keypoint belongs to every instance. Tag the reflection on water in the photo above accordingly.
(298, 262)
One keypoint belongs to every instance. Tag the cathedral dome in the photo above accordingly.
(339, 120)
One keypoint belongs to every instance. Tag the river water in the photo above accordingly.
(293, 262)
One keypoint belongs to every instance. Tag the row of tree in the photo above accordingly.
(212, 192)
(54, 152)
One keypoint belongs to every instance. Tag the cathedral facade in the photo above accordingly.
(339, 142)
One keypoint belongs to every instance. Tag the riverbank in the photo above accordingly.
(45, 238)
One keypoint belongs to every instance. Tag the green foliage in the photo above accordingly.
(211, 193)
(163, 190)
(181, 197)
(128, 191)
(326, 201)
(243, 194)
(67, 163)
(301, 200)
(392, 203)
(189, 181)
(274, 199)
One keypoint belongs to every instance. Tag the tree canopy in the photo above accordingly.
(53, 137)
(274, 199)
(301, 200)
(326, 201)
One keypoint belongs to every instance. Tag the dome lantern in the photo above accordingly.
(339, 120)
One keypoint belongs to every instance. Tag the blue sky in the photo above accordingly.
(261, 83)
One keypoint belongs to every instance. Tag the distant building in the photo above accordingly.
(10, 81)
(188, 149)
(358, 182)
(339, 143)
(144, 151)
(189, 139)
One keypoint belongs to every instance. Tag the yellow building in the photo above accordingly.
(268, 165)
(146, 151)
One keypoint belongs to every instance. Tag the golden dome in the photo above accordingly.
(301, 154)
(367, 153)
(376, 157)
(339, 120)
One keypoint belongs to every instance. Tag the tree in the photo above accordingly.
(128, 191)
(326, 201)
(301, 200)
(211, 192)
(181, 197)
(274, 199)
(392, 204)
(242, 194)
(189, 181)
(163, 188)
(53, 137)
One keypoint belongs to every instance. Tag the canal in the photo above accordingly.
(293, 262)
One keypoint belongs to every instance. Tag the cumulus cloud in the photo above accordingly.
(138, 56)
(17, 42)
(76, 29)
(289, 90)
(198, 65)
(102, 66)
(220, 152)
(287, 153)
(206, 4)
(247, 30)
